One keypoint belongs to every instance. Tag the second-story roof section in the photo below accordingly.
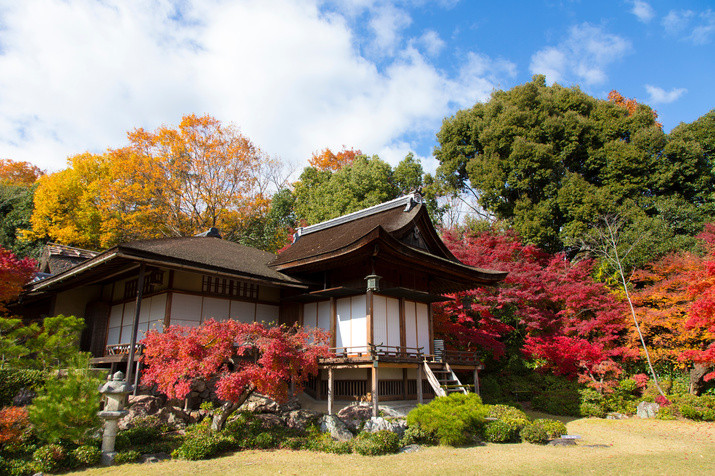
(57, 258)
(198, 254)
(399, 217)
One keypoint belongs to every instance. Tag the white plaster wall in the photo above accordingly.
(267, 314)
(386, 321)
(422, 316)
(324, 315)
(215, 308)
(243, 311)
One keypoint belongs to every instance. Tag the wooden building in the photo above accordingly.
(369, 278)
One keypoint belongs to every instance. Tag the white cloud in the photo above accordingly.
(77, 75)
(703, 32)
(387, 23)
(658, 95)
(700, 26)
(431, 42)
(582, 57)
(643, 11)
(677, 20)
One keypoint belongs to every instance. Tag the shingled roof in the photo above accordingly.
(390, 226)
(200, 254)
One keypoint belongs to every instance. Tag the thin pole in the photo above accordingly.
(135, 324)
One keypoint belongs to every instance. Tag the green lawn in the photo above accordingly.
(632, 446)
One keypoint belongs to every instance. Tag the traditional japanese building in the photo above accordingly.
(369, 278)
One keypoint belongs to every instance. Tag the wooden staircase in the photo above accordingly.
(443, 379)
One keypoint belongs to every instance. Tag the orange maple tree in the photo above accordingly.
(328, 160)
(18, 173)
(663, 297)
(702, 311)
(629, 104)
(174, 181)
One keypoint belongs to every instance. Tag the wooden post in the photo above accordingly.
(135, 324)
(136, 378)
(375, 390)
(369, 313)
(419, 384)
(333, 322)
(404, 384)
(476, 380)
(331, 386)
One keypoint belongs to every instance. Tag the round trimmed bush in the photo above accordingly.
(130, 456)
(50, 458)
(553, 428)
(87, 455)
(534, 433)
(500, 431)
(374, 444)
(589, 409)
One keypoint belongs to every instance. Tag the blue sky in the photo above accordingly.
(297, 76)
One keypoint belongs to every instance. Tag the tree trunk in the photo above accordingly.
(696, 377)
(227, 409)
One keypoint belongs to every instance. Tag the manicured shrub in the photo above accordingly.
(294, 443)
(86, 455)
(381, 442)
(142, 435)
(533, 433)
(122, 441)
(500, 431)
(265, 441)
(198, 446)
(553, 428)
(414, 435)
(129, 456)
(50, 458)
(665, 413)
(14, 380)
(694, 407)
(557, 402)
(593, 404)
(589, 409)
(453, 420)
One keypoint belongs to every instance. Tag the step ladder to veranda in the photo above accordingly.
(443, 379)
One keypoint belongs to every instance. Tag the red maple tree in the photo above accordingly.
(240, 357)
(702, 310)
(570, 323)
(14, 273)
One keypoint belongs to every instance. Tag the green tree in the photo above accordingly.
(52, 345)
(16, 205)
(550, 160)
(66, 409)
(321, 194)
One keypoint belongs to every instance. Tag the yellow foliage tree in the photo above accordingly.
(170, 182)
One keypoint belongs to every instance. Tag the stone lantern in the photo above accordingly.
(115, 391)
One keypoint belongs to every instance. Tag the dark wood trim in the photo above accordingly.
(197, 293)
(167, 309)
(333, 322)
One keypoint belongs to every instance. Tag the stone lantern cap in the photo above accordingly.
(116, 385)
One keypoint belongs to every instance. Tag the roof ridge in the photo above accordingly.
(409, 200)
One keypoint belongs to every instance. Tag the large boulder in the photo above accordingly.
(647, 409)
(335, 427)
(356, 412)
(270, 420)
(257, 403)
(375, 424)
(301, 419)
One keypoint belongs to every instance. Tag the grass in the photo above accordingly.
(632, 446)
